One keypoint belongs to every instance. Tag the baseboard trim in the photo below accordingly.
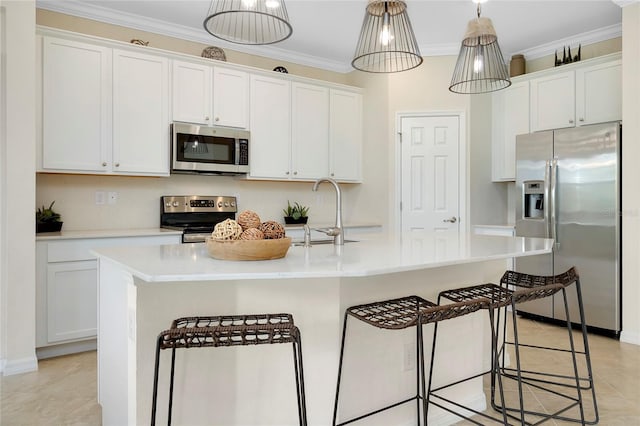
(630, 337)
(66, 349)
(19, 366)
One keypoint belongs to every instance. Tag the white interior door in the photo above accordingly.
(430, 173)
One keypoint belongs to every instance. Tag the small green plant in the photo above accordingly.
(47, 215)
(296, 211)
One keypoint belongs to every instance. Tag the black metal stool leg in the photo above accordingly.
(156, 369)
(573, 355)
(587, 354)
(495, 365)
(335, 404)
(299, 372)
(420, 371)
(173, 368)
(518, 364)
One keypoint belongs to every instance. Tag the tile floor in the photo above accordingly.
(63, 390)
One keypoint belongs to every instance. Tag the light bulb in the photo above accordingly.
(249, 4)
(385, 34)
(272, 4)
(478, 64)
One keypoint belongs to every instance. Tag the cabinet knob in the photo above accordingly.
(286, 173)
(295, 173)
(104, 164)
(332, 175)
(570, 121)
(206, 118)
(581, 119)
(117, 164)
(217, 118)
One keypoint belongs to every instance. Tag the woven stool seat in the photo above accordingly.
(501, 296)
(519, 279)
(229, 330)
(392, 314)
(234, 330)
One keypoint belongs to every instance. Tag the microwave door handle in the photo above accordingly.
(546, 205)
(236, 153)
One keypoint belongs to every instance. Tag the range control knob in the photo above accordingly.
(226, 204)
(176, 204)
(167, 204)
(233, 204)
(220, 204)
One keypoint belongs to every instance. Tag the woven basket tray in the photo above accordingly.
(248, 249)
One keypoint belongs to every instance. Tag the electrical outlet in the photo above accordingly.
(409, 356)
(113, 197)
(101, 197)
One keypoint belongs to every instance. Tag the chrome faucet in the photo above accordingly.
(337, 232)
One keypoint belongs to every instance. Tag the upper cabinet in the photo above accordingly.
(510, 109)
(208, 95)
(586, 94)
(107, 108)
(104, 110)
(582, 93)
(140, 113)
(76, 106)
(345, 138)
(302, 131)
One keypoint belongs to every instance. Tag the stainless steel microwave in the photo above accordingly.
(213, 150)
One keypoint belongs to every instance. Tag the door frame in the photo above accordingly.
(463, 183)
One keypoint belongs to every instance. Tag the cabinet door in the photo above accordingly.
(76, 106)
(553, 101)
(71, 300)
(345, 135)
(269, 155)
(599, 93)
(192, 92)
(310, 131)
(140, 114)
(510, 118)
(230, 97)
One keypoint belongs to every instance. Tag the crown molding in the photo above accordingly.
(101, 14)
(589, 37)
(623, 3)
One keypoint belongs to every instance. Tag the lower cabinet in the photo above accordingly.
(66, 290)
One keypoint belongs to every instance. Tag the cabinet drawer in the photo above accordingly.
(72, 250)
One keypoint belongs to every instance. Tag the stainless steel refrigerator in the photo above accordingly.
(568, 188)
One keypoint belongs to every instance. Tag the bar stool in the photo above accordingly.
(230, 330)
(501, 297)
(566, 279)
(397, 314)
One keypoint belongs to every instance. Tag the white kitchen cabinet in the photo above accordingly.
(553, 101)
(66, 290)
(269, 149)
(510, 118)
(310, 131)
(599, 93)
(209, 95)
(230, 97)
(345, 137)
(140, 113)
(76, 106)
(586, 94)
(192, 92)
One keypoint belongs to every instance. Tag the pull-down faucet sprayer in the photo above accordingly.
(337, 232)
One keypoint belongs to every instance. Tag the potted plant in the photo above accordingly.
(47, 220)
(295, 214)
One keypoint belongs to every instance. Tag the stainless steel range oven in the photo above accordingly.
(195, 215)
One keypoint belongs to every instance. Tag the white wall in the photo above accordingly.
(17, 220)
(630, 173)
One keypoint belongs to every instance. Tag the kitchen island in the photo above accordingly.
(142, 289)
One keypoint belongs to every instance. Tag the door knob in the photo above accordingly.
(452, 219)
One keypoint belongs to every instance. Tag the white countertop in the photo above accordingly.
(374, 254)
(105, 233)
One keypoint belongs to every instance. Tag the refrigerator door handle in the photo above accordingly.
(554, 205)
(547, 205)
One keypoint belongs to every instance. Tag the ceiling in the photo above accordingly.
(325, 32)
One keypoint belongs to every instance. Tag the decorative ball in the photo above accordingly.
(272, 230)
(252, 234)
(228, 229)
(249, 219)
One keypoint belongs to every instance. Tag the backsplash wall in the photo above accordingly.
(138, 202)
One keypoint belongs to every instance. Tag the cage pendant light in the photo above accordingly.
(480, 67)
(387, 43)
(248, 21)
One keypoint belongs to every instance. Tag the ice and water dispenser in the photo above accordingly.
(533, 199)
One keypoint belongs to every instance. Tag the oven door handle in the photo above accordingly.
(194, 238)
